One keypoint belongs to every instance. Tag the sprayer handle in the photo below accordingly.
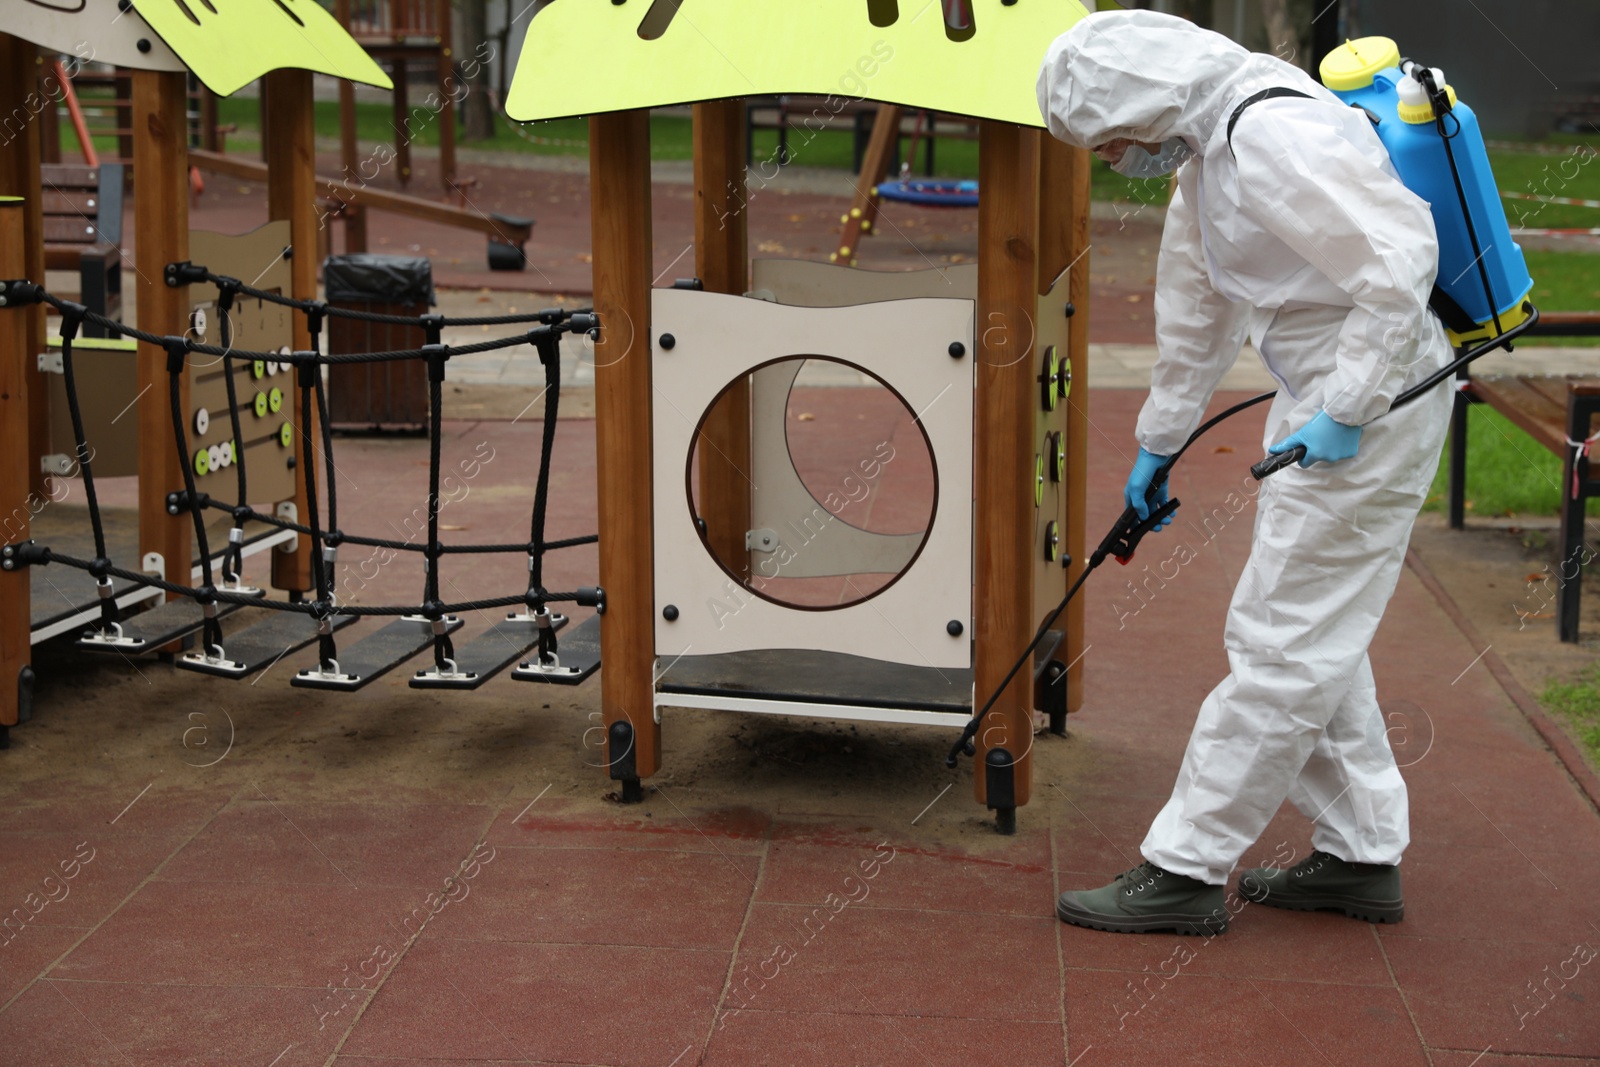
(1277, 461)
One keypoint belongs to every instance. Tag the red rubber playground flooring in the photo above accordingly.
(392, 878)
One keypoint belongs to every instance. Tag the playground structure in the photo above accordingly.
(346, 199)
(983, 359)
(225, 52)
(396, 33)
(872, 186)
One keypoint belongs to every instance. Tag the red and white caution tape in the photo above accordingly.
(1569, 201)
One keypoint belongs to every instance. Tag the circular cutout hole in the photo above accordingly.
(842, 506)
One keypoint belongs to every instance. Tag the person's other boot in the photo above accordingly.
(1324, 882)
(1147, 899)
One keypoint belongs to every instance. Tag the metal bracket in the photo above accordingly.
(110, 637)
(764, 540)
(539, 669)
(56, 463)
(215, 660)
(321, 673)
(287, 512)
(447, 674)
(231, 583)
(449, 623)
(21, 554)
(154, 563)
(19, 292)
(51, 363)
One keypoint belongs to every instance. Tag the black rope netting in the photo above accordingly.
(546, 330)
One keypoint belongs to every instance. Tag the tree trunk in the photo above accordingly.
(473, 55)
(1281, 37)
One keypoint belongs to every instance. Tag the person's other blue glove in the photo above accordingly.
(1326, 441)
(1133, 494)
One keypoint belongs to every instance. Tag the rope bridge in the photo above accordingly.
(415, 626)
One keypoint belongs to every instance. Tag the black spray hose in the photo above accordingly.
(1276, 462)
(1120, 541)
(1124, 536)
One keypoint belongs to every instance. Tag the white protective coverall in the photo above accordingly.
(1302, 237)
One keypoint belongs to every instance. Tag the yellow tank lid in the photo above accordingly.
(1352, 64)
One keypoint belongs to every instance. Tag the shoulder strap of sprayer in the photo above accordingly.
(1442, 303)
(1269, 93)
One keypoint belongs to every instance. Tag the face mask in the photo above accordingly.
(1137, 163)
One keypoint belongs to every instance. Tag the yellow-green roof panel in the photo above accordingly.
(230, 43)
(582, 57)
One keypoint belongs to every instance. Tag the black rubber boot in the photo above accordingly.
(1147, 899)
(1324, 882)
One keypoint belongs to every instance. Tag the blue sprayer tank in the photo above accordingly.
(1369, 73)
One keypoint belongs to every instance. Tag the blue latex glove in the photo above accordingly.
(1326, 441)
(1133, 494)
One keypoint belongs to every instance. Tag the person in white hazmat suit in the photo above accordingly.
(1289, 226)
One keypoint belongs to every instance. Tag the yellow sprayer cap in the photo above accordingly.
(1352, 64)
(1416, 112)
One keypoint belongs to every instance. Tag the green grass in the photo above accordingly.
(1573, 174)
(670, 139)
(1565, 281)
(1507, 474)
(1578, 702)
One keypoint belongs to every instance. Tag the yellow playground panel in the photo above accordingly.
(659, 52)
(1011, 336)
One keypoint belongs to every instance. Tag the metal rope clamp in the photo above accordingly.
(540, 666)
(109, 634)
(214, 660)
(445, 671)
(231, 580)
(327, 672)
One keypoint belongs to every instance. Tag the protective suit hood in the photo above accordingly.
(1147, 77)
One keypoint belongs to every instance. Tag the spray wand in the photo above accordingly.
(1125, 534)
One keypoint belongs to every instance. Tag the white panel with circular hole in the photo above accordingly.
(906, 345)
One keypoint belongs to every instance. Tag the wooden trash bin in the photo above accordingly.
(377, 396)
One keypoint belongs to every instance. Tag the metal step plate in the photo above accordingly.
(577, 657)
(247, 650)
(374, 655)
(812, 677)
(487, 654)
(153, 629)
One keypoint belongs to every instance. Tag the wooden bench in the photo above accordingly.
(782, 113)
(83, 232)
(1555, 411)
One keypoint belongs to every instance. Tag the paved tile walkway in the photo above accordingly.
(395, 878)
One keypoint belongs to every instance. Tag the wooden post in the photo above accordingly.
(19, 176)
(721, 250)
(619, 177)
(1064, 242)
(349, 148)
(1008, 228)
(1078, 422)
(401, 120)
(447, 107)
(292, 195)
(15, 457)
(50, 127)
(347, 105)
(210, 138)
(161, 233)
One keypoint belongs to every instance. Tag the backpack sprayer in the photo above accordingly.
(1480, 294)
